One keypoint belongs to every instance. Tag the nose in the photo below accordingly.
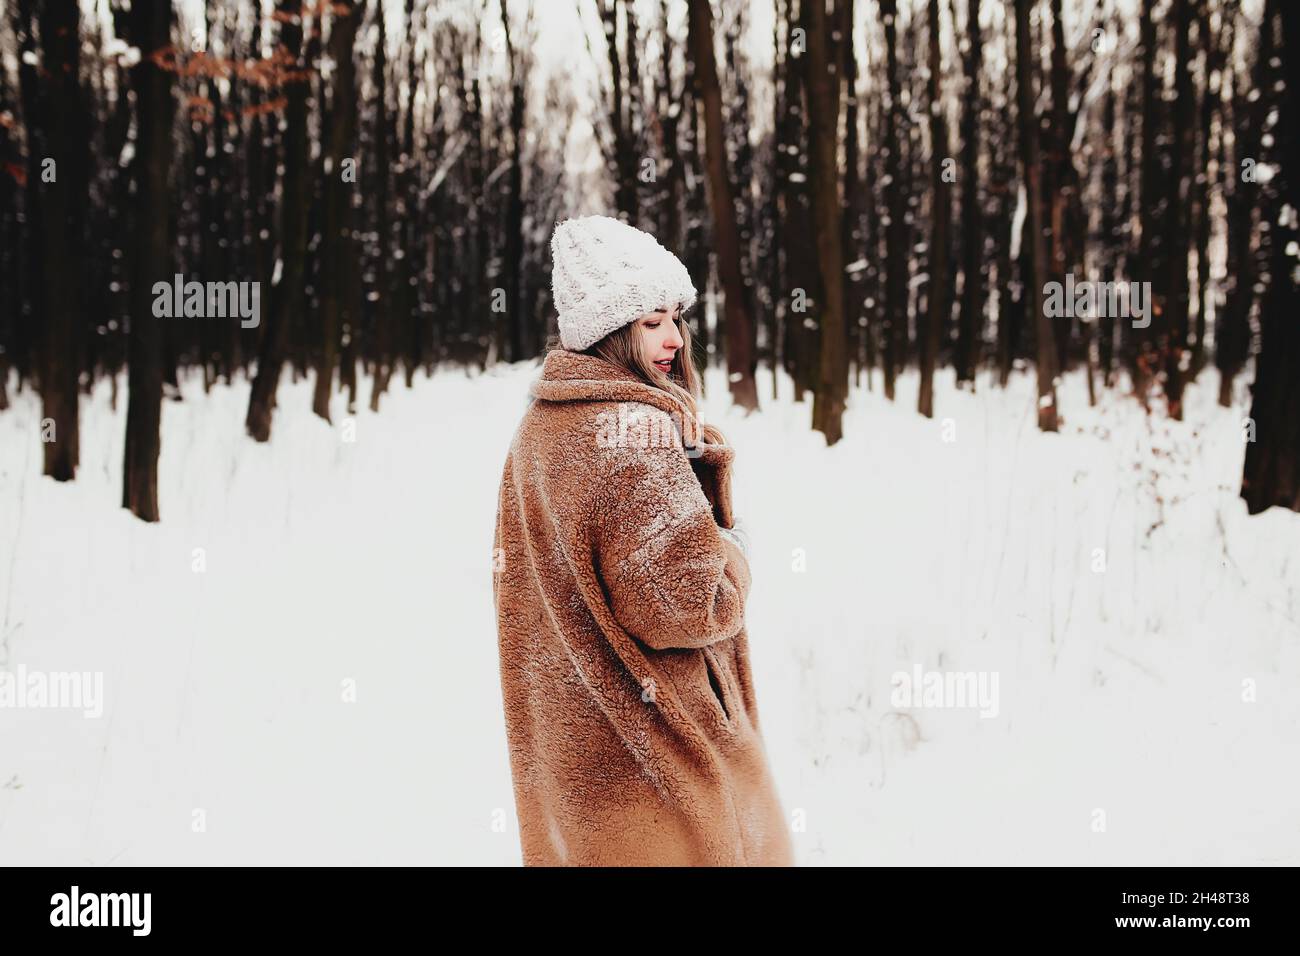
(674, 341)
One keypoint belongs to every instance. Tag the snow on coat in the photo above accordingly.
(631, 719)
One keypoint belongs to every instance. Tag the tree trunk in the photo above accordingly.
(620, 111)
(739, 330)
(1037, 259)
(337, 247)
(385, 268)
(897, 253)
(514, 221)
(1271, 475)
(852, 220)
(798, 332)
(1149, 210)
(695, 241)
(970, 322)
(1232, 338)
(940, 215)
(1210, 43)
(150, 26)
(57, 189)
(287, 294)
(1179, 229)
(1060, 181)
(824, 77)
(1112, 239)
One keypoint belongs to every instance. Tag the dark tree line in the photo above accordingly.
(378, 189)
(895, 189)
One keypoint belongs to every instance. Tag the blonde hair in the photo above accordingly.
(624, 347)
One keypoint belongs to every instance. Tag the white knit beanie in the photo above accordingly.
(605, 274)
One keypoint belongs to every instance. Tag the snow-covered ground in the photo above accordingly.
(318, 683)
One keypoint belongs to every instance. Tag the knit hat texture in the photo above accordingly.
(605, 274)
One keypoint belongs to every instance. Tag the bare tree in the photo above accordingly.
(739, 327)
(824, 78)
(1031, 167)
(286, 294)
(940, 216)
(150, 28)
(894, 321)
(1178, 224)
(514, 203)
(337, 249)
(971, 314)
(1271, 474)
(57, 187)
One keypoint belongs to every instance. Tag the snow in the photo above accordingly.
(318, 684)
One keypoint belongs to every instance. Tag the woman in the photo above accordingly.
(620, 583)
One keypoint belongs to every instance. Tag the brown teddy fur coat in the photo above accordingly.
(630, 712)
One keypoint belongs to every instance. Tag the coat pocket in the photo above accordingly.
(718, 684)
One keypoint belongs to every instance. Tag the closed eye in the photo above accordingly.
(654, 324)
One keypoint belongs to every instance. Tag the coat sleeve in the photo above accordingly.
(673, 580)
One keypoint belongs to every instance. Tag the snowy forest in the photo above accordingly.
(1000, 305)
(888, 186)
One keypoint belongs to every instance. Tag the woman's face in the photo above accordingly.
(660, 336)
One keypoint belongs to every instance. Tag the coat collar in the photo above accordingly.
(574, 377)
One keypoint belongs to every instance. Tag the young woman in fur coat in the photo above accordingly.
(620, 582)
